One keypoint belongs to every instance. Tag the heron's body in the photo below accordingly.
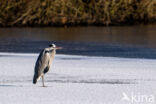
(43, 63)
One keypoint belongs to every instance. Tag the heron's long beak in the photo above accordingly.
(58, 48)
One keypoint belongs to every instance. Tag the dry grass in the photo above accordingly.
(76, 12)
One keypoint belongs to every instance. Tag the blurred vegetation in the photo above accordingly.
(76, 12)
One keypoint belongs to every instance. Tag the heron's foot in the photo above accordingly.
(44, 86)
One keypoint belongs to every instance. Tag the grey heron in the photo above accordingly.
(44, 62)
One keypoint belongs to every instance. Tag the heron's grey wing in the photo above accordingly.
(42, 61)
(37, 67)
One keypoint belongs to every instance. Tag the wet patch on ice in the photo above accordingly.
(94, 81)
(57, 78)
(10, 85)
(88, 80)
(72, 58)
(67, 79)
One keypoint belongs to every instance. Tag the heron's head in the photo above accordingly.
(54, 46)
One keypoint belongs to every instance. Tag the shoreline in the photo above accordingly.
(78, 25)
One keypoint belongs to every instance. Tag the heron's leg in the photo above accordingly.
(43, 81)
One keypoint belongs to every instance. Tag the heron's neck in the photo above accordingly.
(53, 52)
(50, 48)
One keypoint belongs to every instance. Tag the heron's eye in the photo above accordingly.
(46, 51)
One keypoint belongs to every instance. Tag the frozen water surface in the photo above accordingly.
(77, 80)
